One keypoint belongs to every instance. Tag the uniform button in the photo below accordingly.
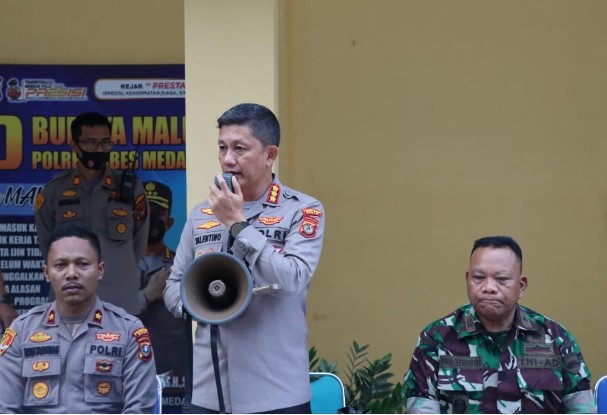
(243, 245)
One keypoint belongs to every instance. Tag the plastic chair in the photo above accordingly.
(158, 404)
(600, 395)
(327, 393)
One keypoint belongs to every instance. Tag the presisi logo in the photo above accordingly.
(44, 90)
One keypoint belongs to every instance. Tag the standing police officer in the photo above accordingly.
(109, 203)
(262, 355)
(77, 354)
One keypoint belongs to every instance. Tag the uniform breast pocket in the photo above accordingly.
(102, 379)
(72, 213)
(120, 221)
(457, 387)
(535, 380)
(43, 376)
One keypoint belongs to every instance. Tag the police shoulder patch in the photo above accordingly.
(39, 201)
(7, 340)
(142, 336)
(141, 208)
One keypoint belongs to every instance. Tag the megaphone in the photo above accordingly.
(216, 288)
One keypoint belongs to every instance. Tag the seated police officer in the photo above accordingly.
(77, 354)
(494, 355)
(7, 312)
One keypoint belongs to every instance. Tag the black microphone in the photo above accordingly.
(228, 178)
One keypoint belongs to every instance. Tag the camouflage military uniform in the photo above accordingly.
(536, 367)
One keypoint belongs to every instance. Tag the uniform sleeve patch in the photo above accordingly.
(142, 336)
(312, 212)
(39, 201)
(141, 208)
(308, 227)
(7, 340)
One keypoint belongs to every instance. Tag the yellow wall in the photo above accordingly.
(231, 50)
(91, 32)
(421, 125)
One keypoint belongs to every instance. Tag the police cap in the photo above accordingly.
(159, 194)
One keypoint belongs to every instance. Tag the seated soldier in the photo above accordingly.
(494, 355)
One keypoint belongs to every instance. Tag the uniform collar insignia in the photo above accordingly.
(168, 255)
(108, 180)
(76, 180)
(273, 194)
(97, 316)
(50, 318)
(522, 320)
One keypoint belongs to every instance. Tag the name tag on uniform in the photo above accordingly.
(540, 361)
(460, 362)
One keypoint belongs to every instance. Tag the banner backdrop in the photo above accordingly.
(146, 104)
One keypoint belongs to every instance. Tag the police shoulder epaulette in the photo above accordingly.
(168, 254)
(60, 176)
(114, 309)
(39, 309)
(302, 197)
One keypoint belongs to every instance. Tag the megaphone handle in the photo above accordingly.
(214, 336)
(189, 366)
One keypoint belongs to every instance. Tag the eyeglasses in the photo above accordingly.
(89, 144)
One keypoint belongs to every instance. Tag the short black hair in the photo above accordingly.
(89, 119)
(262, 122)
(499, 242)
(77, 231)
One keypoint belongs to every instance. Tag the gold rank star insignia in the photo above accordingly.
(273, 193)
(98, 316)
(51, 317)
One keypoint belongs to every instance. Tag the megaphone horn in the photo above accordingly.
(216, 288)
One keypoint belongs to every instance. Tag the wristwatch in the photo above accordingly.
(236, 228)
(5, 299)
